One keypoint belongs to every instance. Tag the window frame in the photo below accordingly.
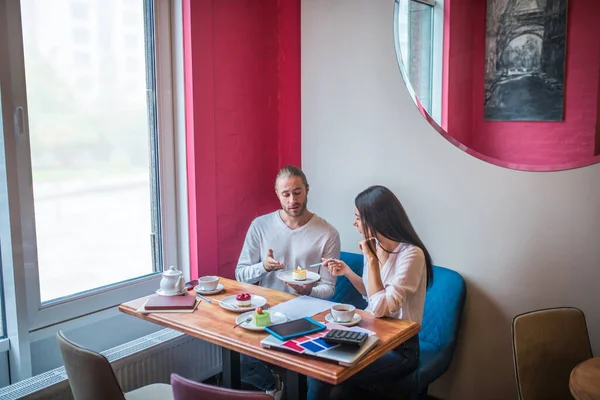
(437, 63)
(20, 191)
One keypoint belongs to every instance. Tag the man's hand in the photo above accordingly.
(271, 264)
(305, 290)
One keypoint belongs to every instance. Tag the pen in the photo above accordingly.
(203, 298)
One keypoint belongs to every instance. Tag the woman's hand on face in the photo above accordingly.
(336, 267)
(366, 249)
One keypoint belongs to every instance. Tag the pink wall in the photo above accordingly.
(458, 71)
(535, 143)
(242, 78)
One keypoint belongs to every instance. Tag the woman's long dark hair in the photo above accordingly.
(381, 212)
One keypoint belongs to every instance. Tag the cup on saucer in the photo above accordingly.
(342, 312)
(208, 283)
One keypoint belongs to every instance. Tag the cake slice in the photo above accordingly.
(261, 318)
(299, 274)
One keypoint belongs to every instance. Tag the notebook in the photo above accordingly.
(312, 345)
(155, 303)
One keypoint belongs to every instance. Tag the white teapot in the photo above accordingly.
(172, 281)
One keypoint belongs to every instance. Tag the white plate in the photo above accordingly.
(205, 292)
(230, 303)
(286, 276)
(355, 320)
(161, 293)
(276, 318)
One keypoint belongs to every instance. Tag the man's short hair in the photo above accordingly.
(290, 171)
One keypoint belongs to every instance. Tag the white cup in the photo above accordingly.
(208, 283)
(343, 312)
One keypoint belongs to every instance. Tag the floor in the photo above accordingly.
(215, 380)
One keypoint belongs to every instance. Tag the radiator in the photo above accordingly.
(150, 359)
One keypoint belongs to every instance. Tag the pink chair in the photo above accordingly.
(184, 389)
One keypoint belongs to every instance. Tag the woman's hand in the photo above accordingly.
(366, 249)
(336, 267)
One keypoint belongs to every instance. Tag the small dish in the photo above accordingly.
(160, 292)
(287, 276)
(355, 320)
(230, 303)
(276, 318)
(208, 292)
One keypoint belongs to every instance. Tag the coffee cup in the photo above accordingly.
(343, 312)
(208, 283)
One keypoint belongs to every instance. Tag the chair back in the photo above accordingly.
(90, 375)
(345, 292)
(185, 389)
(444, 304)
(547, 345)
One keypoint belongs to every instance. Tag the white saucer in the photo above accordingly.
(206, 292)
(276, 318)
(287, 276)
(355, 320)
(230, 303)
(161, 293)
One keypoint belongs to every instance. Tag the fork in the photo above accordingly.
(241, 322)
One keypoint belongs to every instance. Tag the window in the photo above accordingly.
(80, 60)
(79, 9)
(81, 36)
(2, 332)
(91, 163)
(131, 42)
(419, 35)
(415, 29)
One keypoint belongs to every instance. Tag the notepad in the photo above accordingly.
(157, 303)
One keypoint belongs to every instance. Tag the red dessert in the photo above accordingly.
(244, 299)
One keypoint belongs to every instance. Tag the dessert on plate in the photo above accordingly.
(299, 274)
(261, 318)
(244, 300)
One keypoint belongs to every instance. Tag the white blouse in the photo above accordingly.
(404, 279)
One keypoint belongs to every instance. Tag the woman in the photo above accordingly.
(397, 271)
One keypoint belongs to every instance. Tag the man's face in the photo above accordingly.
(292, 195)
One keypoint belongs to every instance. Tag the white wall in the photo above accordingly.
(522, 240)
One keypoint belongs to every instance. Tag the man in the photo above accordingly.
(284, 239)
(290, 237)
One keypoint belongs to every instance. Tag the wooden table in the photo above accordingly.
(212, 323)
(585, 380)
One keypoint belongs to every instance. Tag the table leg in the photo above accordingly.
(295, 386)
(231, 368)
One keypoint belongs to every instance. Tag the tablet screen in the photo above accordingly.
(295, 328)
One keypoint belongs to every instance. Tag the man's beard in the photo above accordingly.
(297, 213)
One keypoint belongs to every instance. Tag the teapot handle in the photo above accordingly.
(180, 282)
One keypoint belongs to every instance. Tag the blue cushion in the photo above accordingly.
(442, 315)
(345, 292)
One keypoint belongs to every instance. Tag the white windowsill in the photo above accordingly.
(4, 345)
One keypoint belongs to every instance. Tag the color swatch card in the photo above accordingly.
(312, 343)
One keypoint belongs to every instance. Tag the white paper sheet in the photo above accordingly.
(303, 306)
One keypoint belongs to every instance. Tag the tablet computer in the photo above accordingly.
(298, 327)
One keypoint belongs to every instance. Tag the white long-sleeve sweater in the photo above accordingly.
(404, 279)
(292, 247)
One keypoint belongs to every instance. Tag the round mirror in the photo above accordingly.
(512, 82)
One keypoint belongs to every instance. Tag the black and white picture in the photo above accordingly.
(525, 60)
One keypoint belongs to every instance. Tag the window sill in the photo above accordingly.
(4, 345)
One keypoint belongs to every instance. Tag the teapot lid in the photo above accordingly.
(172, 272)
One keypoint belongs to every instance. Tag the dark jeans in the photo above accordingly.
(258, 374)
(391, 367)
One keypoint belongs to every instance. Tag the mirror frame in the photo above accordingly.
(491, 160)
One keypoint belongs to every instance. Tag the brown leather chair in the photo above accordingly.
(92, 378)
(547, 345)
(185, 389)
